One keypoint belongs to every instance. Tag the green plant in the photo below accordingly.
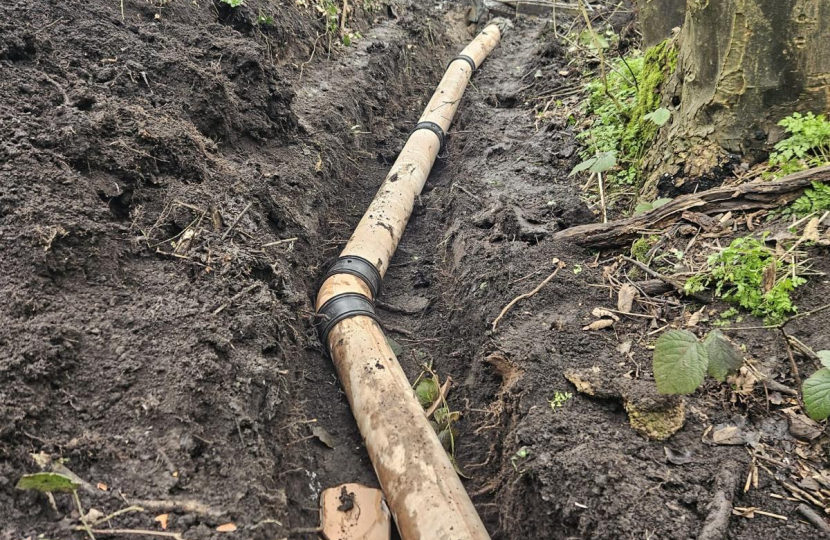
(807, 146)
(627, 115)
(559, 399)
(738, 274)
(816, 390)
(681, 361)
(816, 199)
(641, 246)
(232, 3)
(264, 20)
(520, 455)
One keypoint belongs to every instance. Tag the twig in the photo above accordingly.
(601, 55)
(242, 213)
(793, 367)
(117, 513)
(81, 513)
(278, 242)
(602, 198)
(559, 265)
(145, 532)
(235, 297)
(442, 396)
(186, 506)
(816, 520)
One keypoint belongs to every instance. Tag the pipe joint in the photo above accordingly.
(358, 267)
(435, 128)
(465, 58)
(340, 307)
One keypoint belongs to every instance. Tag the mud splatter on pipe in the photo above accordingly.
(424, 492)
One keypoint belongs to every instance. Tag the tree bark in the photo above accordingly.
(658, 18)
(743, 66)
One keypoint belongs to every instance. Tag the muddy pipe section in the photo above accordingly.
(424, 492)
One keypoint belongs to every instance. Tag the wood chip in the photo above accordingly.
(602, 313)
(599, 325)
(226, 527)
(162, 520)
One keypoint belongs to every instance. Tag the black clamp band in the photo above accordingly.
(340, 307)
(466, 58)
(357, 266)
(435, 128)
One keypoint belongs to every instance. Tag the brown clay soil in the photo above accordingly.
(171, 185)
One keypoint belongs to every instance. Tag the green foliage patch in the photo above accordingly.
(816, 390)
(807, 146)
(625, 124)
(816, 199)
(738, 273)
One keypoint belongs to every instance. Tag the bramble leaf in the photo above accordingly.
(680, 362)
(816, 390)
(724, 357)
(824, 358)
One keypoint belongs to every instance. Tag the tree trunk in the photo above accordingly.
(743, 66)
(658, 18)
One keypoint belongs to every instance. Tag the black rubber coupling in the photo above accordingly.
(340, 307)
(466, 58)
(357, 266)
(435, 128)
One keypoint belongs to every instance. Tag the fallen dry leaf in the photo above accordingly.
(695, 318)
(226, 527)
(102, 486)
(162, 519)
(811, 231)
(599, 325)
(626, 297)
(599, 312)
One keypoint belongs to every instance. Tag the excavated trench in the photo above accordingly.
(172, 187)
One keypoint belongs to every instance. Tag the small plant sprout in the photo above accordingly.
(816, 390)
(521, 455)
(264, 20)
(232, 3)
(681, 361)
(559, 399)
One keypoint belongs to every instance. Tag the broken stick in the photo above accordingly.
(559, 265)
(757, 195)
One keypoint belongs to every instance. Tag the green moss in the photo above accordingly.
(641, 247)
(659, 62)
(624, 130)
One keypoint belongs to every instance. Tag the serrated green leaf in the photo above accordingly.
(605, 161)
(659, 117)
(680, 362)
(724, 357)
(816, 391)
(584, 166)
(824, 358)
(427, 392)
(46, 482)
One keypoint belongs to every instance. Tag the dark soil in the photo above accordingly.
(173, 366)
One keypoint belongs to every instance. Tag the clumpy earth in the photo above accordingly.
(173, 179)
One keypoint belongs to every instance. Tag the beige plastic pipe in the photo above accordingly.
(424, 492)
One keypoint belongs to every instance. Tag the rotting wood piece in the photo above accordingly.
(756, 195)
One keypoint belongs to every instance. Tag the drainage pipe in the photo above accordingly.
(424, 492)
